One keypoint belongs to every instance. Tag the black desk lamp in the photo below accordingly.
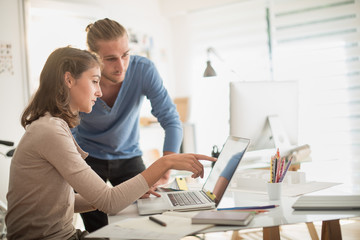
(209, 71)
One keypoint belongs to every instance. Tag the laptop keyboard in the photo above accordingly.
(185, 198)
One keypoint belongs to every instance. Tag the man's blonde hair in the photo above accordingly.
(104, 29)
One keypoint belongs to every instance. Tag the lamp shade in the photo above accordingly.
(209, 71)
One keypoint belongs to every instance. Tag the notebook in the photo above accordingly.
(327, 202)
(211, 192)
(236, 218)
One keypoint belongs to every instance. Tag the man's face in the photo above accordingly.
(115, 56)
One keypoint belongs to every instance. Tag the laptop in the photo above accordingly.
(327, 202)
(211, 192)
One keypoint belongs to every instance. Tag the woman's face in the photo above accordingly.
(85, 90)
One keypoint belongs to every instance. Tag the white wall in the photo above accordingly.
(144, 16)
(12, 88)
(177, 12)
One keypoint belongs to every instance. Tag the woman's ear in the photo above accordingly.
(68, 79)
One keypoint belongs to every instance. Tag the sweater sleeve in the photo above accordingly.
(81, 205)
(127, 192)
(61, 150)
(163, 108)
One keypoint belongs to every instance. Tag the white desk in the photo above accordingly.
(283, 215)
(271, 220)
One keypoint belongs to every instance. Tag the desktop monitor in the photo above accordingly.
(251, 105)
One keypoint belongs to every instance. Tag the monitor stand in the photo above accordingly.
(264, 140)
(279, 136)
(273, 136)
(299, 153)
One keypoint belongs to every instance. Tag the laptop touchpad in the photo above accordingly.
(158, 203)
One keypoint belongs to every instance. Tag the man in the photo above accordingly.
(110, 133)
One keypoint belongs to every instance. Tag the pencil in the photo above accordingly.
(286, 169)
(278, 160)
(248, 208)
(157, 221)
(272, 169)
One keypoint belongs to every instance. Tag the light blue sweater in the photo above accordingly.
(113, 133)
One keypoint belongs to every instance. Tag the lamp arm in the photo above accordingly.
(213, 51)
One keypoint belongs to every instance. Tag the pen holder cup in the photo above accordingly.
(274, 190)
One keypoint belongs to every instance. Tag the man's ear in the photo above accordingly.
(68, 79)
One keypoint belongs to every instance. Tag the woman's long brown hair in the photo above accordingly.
(53, 95)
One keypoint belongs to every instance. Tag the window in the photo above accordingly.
(314, 42)
(317, 42)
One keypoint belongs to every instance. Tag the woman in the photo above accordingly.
(48, 165)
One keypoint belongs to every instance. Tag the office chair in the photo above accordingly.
(3, 207)
(10, 144)
(3, 210)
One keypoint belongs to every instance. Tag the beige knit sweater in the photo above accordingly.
(46, 168)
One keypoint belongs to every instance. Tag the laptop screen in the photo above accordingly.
(225, 167)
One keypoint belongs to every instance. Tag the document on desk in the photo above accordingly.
(143, 228)
(290, 190)
(293, 190)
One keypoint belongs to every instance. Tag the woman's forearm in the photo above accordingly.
(185, 161)
(154, 172)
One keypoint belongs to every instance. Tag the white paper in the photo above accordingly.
(290, 190)
(293, 190)
(143, 228)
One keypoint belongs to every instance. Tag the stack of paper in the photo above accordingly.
(142, 228)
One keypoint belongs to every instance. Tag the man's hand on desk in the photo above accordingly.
(164, 179)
